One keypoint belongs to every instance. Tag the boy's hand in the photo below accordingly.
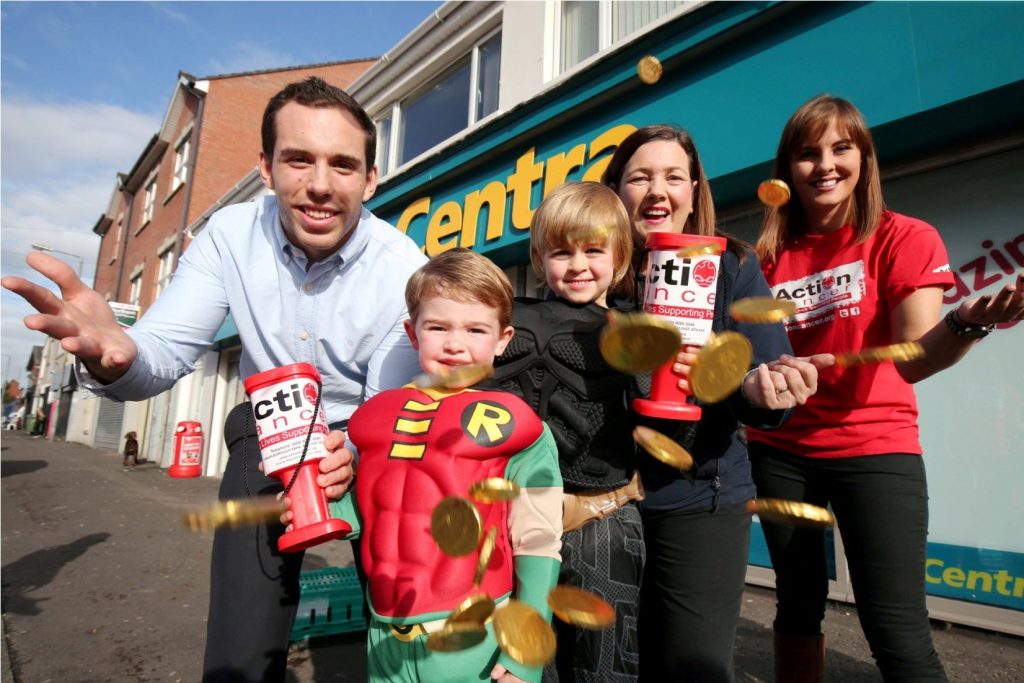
(683, 364)
(503, 675)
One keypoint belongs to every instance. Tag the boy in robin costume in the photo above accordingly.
(418, 446)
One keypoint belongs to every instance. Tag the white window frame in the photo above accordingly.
(135, 292)
(387, 164)
(181, 159)
(605, 39)
(165, 269)
(149, 201)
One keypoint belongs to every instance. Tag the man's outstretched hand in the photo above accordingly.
(80, 318)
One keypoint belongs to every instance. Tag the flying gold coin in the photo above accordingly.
(762, 309)
(649, 69)
(663, 448)
(638, 342)
(458, 377)
(456, 527)
(705, 249)
(456, 636)
(235, 513)
(493, 490)
(486, 550)
(720, 366)
(773, 192)
(523, 634)
(878, 354)
(580, 608)
(790, 512)
(476, 609)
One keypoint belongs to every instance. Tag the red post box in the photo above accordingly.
(188, 450)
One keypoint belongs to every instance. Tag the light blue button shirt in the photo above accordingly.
(344, 315)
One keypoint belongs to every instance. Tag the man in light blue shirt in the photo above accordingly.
(309, 275)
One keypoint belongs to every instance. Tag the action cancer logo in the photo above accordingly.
(704, 273)
(309, 392)
(828, 282)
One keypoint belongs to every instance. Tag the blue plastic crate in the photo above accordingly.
(330, 603)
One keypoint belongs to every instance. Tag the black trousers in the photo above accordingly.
(254, 588)
(692, 593)
(881, 506)
(606, 557)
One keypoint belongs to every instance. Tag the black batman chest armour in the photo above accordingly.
(554, 363)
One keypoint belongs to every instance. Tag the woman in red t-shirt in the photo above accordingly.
(860, 276)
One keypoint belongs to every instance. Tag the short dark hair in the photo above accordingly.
(316, 92)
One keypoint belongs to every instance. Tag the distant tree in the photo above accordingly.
(12, 391)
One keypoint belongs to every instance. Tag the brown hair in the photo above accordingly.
(810, 122)
(575, 213)
(702, 220)
(317, 93)
(461, 275)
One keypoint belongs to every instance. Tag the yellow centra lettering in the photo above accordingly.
(928, 564)
(445, 222)
(561, 165)
(974, 576)
(420, 207)
(488, 417)
(520, 185)
(606, 142)
(953, 576)
(493, 197)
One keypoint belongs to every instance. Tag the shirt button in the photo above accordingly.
(304, 335)
(308, 287)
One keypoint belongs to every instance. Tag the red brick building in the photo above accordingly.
(208, 142)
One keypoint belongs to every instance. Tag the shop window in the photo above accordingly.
(165, 269)
(459, 97)
(587, 27)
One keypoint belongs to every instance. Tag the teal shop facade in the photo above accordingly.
(942, 86)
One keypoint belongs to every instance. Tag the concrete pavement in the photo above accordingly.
(102, 583)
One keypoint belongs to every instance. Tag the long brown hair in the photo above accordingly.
(810, 122)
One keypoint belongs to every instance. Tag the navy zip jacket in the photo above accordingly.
(723, 470)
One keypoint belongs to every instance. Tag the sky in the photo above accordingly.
(85, 85)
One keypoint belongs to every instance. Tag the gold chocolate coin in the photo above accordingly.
(476, 609)
(638, 342)
(762, 309)
(456, 527)
(720, 366)
(493, 490)
(235, 513)
(893, 352)
(523, 634)
(456, 636)
(649, 69)
(580, 608)
(773, 192)
(790, 512)
(458, 377)
(486, 550)
(705, 249)
(663, 448)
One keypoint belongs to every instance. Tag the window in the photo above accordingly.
(136, 290)
(164, 271)
(149, 201)
(384, 143)
(180, 164)
(588, 27)
(459, 97)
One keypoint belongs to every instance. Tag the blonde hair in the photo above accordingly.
(577, 213)
(810, 122)
(461, 275)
